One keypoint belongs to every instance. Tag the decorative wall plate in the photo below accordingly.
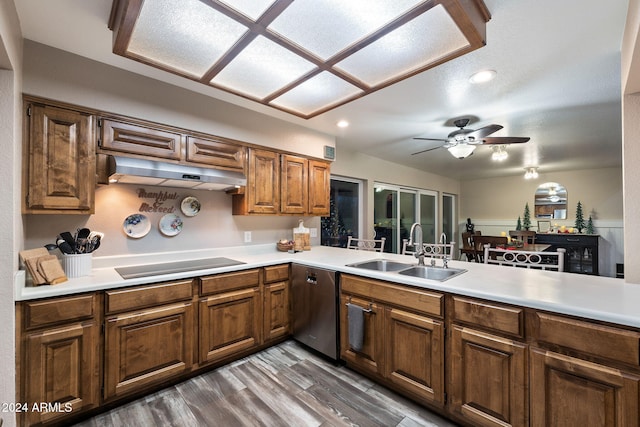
(170, 225)
(190, 206)
(136, 226)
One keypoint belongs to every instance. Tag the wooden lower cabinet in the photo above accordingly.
(277, 311)
(414, 358)
(403, 336)
(369, 357)
(59, 340)
(62, 366)
(146, 347)
(230, 322)
(488, 378)
(566, 391)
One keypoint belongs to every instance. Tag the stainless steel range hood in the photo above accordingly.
(126, 170)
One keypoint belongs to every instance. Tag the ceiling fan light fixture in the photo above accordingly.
(531, 173)
(499, 153)
(461, 151)
(483, 76)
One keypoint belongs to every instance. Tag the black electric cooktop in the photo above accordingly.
(146, 270)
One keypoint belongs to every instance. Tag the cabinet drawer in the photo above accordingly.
(58, 310)
(404, 296)
(590, 338)
(226, 282)
(509, 320)
(276, 273)
(138, 139)
(215, 153)
(147, 296)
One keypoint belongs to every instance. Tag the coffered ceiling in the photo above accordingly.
(557, 82)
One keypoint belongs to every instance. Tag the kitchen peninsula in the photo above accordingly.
(496, 344)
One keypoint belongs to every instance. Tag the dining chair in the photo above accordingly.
(468, 248)
(525, 259)
(374, 245)
(525, 236)
(431, 250)
(480, 241)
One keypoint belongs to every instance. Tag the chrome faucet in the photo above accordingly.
(445, 260)
(417, 243)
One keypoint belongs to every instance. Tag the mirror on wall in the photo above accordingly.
(551, 201)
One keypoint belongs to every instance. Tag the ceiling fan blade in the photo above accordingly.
(424, 151)
(484, 131)
(505, 140)
(431, 139)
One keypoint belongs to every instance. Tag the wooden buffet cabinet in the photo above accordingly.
(80, 352)
(66, 149)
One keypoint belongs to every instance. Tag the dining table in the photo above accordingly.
(530, 247)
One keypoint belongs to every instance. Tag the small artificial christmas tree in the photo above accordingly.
(526, 220)
(579, 218)
(590, 229)
(519, 225)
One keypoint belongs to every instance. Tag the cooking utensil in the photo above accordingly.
(68, 237)
(51, 246)
(94, 243)
(82, 237)
(64, 247)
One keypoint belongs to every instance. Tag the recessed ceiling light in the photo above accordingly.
(342, 124)
(482, 76)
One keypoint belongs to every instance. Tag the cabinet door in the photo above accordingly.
(229, 323)
(60, 160)
(370, 358)
(147, 346)
(294, 179)
(138, 139)
(570, 391)
(61, 370)
(276, 310)
(488, 378)
(415, 354)
(319, 187)
(215, 153)
(263, 182)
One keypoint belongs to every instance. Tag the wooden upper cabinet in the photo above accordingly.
(131, 138)
(215, 153)
(293, 187)
(262, 193)
(59, 160)
(319, 188)
(284, 184)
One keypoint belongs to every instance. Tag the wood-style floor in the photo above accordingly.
(284, 385)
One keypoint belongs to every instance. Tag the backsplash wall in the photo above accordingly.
(214, 226)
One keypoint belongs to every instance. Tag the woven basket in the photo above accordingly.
(284, 247)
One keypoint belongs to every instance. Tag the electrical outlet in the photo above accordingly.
(247, 237)
(313, 232)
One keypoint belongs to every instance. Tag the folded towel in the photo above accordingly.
(356, 326)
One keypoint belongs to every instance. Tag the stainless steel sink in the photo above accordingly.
(380, 265)
(432, 273)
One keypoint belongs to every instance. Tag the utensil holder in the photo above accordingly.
(77, 265)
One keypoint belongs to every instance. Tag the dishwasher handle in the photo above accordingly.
(311, 278)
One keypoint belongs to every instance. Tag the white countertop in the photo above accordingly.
(599, 298)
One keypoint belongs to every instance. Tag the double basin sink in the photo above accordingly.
(421, 271)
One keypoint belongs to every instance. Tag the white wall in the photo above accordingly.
(10, 159)
(631, 137)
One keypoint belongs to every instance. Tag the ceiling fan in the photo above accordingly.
(462, 142)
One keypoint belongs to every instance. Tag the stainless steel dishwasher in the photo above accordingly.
(315, 314)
